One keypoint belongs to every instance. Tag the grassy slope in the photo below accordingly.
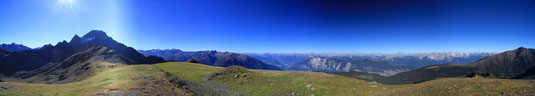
(116, 78)
(265, 82)
(468, 87)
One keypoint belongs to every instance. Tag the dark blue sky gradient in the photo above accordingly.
(361, 26)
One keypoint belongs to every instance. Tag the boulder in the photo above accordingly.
(192, 61)
(480, 74)
(170, 60)
(153, 59)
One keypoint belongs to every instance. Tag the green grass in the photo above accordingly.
(276, 83)
(469, 87)
(115, 78)
(188, 70)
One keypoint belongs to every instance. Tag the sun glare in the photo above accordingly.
(67, 3)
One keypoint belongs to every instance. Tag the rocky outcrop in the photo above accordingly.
(480, 74)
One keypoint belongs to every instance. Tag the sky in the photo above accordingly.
(279, 26)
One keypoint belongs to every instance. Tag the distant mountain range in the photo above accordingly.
(281, 60)
(14, 47)
(386, 64)
(363, 65)
(508, 64)
(25, 64)
(425, 59)
(415, 60)
(214, 58)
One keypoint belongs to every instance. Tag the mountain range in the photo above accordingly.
(409, 59)
(507, 64)
(214, 58)
(281, 60)
(80, 51)
(385, 64)
(363, 65)
(14, 47)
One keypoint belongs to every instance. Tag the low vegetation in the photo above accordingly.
(274, 83)
(478, 86)
(105, 82)
(264, 82)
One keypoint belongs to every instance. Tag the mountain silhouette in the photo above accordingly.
(14, 47)
(100, 38)
(29, 60)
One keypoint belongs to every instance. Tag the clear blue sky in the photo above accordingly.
(362, 26)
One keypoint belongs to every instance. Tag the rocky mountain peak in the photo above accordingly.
(522, 50)
(62, 43)
(96, 33)
(76, 38)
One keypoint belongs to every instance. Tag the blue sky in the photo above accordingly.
(342, 26)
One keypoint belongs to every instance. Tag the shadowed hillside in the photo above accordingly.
(529, 74)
